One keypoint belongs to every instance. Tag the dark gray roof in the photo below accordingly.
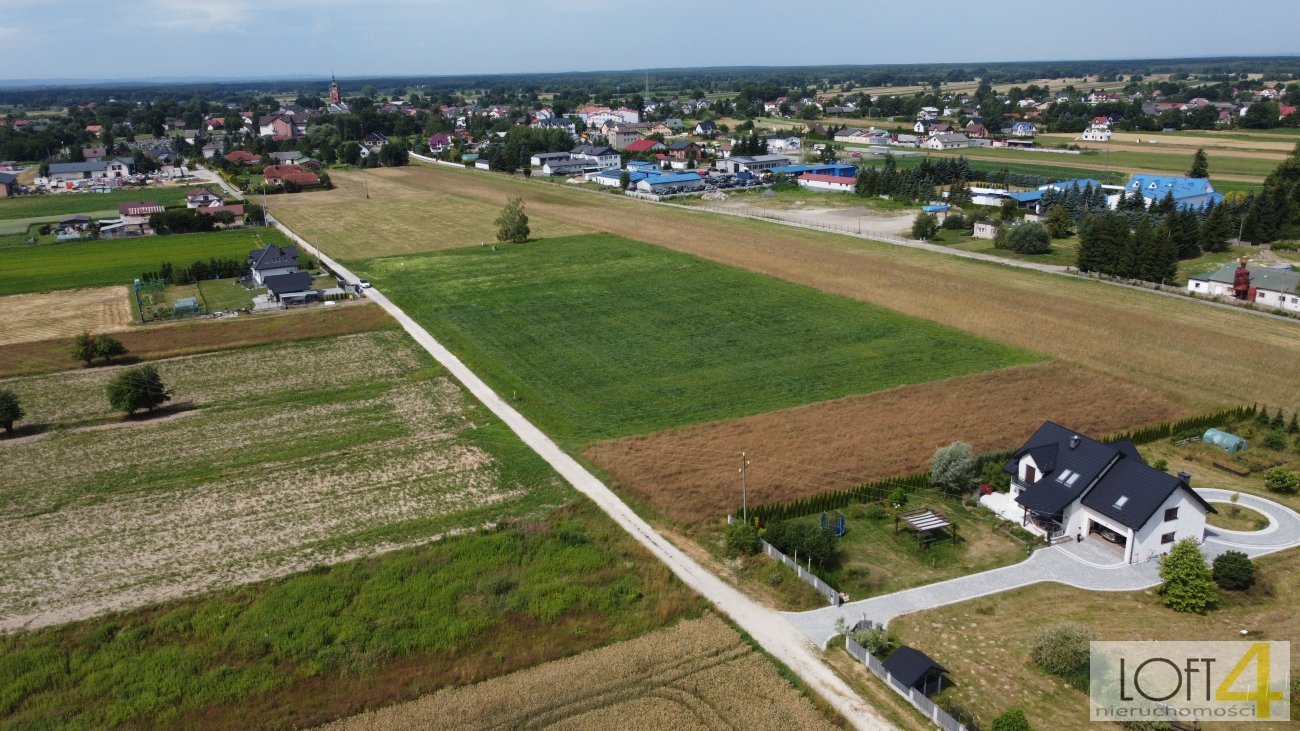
(1131, 492)
(77, 167)
(600, 151)
(909, 665)
(288, 283)
(1058, 461)
(681, 145)
(7, 178)
(273, 257)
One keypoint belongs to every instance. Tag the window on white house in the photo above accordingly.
(1171, 514)
(1166, 538)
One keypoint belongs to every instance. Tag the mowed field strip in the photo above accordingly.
(689, 474)
(111, 262)
(295, 455)
(48, 315)
(699, 675)
(1198, 356)
(64, 204)
(597, 336)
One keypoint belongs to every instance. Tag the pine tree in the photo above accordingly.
(1200, 166)
(1216, 229)
(1164, 258)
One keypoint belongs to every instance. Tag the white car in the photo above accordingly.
(364, 283)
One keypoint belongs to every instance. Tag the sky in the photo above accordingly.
(232, 39)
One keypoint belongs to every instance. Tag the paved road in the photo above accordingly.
(768, 627)
(1079, 565)
(210, 176)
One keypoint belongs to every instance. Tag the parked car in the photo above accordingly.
(363, 283)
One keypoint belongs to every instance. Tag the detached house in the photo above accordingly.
(271, 261)
(1070, 485)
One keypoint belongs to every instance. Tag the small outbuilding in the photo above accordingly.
(185, 306)
(1224, 440)
(915, 669)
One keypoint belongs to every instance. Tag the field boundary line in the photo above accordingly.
(772, 631)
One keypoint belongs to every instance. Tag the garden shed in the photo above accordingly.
(915, 669)
(185, 305)
(1224, 440)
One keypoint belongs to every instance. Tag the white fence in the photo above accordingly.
(927, 707)
(807, 576)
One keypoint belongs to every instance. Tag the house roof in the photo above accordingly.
(819, 178)
(1156, 187)
(288, 283)
(909, 665)
(671, 179)
(139, 208)
(201, 193)
(7, 178)
(1274, 280)
(273, 257)
(236, 210)
(1067, 466)
(746, 159)
(951, 137)
(77, 167)
(682, 145)
(1131, 492)
(594, 150)
(644, 145)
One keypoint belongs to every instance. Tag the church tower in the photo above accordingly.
(335, 95)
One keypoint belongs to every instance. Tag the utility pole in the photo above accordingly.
(744, 488)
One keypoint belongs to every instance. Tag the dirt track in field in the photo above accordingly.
(45, 315)
(689, 474)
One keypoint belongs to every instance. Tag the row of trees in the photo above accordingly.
(198, 271)
(1108, 246)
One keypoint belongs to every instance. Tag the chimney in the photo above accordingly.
(1186, 478)
(1074, 441)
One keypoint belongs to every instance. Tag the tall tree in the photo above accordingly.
(1188, 582)
(512, 224)
(10, 410)
(138, 388)
(1200, 166)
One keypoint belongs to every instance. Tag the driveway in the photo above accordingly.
(1088, 565)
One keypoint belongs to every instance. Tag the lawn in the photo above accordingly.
(985, 642)
(1221, 163)
(876, 561)
(597, 336)
(221, 295)
(67, 204)
(1064, 252)
(119, 261)
(304, 650)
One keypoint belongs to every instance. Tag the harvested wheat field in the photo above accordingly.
(396, 219)
(689, 474)
(1198, 356)
(697, 675)
(294, 456)
(40, 316)
(190, 337)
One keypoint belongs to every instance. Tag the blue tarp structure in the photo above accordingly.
(1228, 442)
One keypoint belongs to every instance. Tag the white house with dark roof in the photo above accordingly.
(1070, 485)
(272, 261)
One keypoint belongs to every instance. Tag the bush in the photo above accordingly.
(1275, 440)
(877, 641)
(1233, 570)
(10, 409)
(512, 224)
(876, 511)
(898, 498)
(1282, 480)
(1189, 584)
(138, 388)
(954, 222)
(1029, 238)
(953, 467)
(743, 538)
(805, 541)
(1062, 650)
(1059, 224)
(925, 227)
(994, 476)
(1161, 464)
(1011, 720)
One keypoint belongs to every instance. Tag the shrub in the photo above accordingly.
(954, 222)
(877, 641)
(1029, 238)
(925, 227)
(876, 511)
(742, 537)
(10, 409)
(806, 541)
(1189, 583)
(898, 498)
(1282, 480)
(1233, 570)
(994, 476)
(1275, 440)
(1011, 720)
(1059, 223)
(137, 388)
(512, 224)
(1161, 464)
(1062, 650)
(953, 467)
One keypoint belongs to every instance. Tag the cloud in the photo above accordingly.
(219, 14)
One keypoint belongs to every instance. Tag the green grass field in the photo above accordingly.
(597, 336)
(67, 204)
(118, 261)
(1221, 163)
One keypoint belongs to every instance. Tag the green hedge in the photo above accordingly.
(878, 490)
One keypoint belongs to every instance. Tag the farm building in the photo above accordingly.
(838, 183)
(1067, 484)
(1269, 286)
(614, 178)
(752, 163)
(660, 183)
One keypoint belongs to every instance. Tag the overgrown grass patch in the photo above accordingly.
(61, 204)
(597, 336)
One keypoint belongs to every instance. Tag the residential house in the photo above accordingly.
(659, 128)
(605, 157)
(373, 142)
(674, 124)
(8, 184)
(941, 128)
(288, 157)
(202, 198)
(570, 165)
(211, 150)
(1070, 485)
(271, 261)
(922, 126)
(558, 123)
(290, 288)
(621, 135)
(440, 142)
(94, 154)
(684, 150)
(280, 127)
(928, 113)
(751, 163)
(134, 216)
(783, 143)
(837, 183)
(1098, 130)
(949, 141)
(1187, 192)
(1023, 129)
(985, 230)
(295, 174)
(976, 131)
(707, 128)
(1275, 287)
(645, 144)
(118, 167)
(542, 158)
(243, 157)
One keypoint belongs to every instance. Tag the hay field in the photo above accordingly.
(1197, 356)
(598, 336)
(699, 675)
(28, 317)
(296, 455)
(395, 219)
(689, 474)
(189, 337)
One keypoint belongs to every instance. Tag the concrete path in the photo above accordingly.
(768, 627)
(1090, 565)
